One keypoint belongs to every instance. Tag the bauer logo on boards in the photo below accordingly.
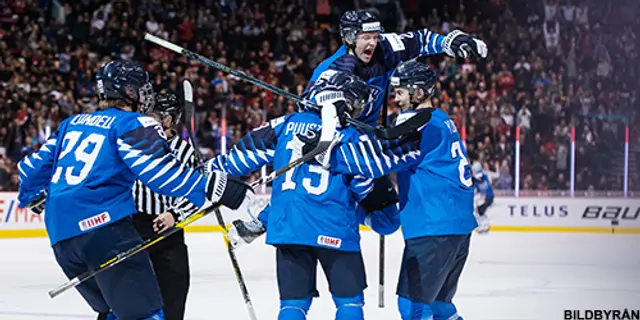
(94, 221)
(329, 241)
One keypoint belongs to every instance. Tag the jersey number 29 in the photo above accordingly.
(85, 155)
(456, 152)
(295, 146)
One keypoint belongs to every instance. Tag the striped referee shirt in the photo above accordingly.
(149, 202)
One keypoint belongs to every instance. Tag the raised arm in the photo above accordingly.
(420, 43)
(252, 152)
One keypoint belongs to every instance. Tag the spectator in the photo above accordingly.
(546, 72)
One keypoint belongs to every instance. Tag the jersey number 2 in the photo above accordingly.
(84, 160)
(295, 146)
(456, 152)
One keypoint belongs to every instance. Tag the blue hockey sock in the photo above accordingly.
(414, 310)
(444, 311)
(294, 309)
(349, 308)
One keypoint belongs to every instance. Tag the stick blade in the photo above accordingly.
(189, 108)
(188, 91)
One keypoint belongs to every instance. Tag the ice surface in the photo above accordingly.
(509, 276)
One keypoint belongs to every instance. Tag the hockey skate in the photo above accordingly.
(244, 232)
(483, 223)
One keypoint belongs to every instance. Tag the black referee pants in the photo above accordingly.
(171, 263)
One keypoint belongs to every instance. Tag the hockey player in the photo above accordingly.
(83, 175)
(484, 195)
(435, 193)
(314, 215)
(157, 213)
(372, 55)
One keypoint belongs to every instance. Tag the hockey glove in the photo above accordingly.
(343, 111)
(37, 206)
(228, 191)
(244, 232)
(310, 141)
(383, 195)
(459, 44)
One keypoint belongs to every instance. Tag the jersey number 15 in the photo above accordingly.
(84, 154)
(295, 146)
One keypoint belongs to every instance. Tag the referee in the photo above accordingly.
(157, 213)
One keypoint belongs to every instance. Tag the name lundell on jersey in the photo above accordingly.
(99, 121)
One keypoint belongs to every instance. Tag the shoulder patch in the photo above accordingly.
(147, 121)
(395, 41)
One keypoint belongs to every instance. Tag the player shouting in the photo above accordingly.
(372, 55)
(436, 198)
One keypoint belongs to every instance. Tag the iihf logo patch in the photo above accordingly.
(95, 221)
(329, 241)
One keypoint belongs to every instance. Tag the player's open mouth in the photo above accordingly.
(367, 52)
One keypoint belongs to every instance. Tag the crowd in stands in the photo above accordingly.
(553, 65)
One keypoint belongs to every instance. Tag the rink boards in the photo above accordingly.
(525, 214)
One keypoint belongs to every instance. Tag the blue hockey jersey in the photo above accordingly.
(483, 185)
(434, 182)
(88, 169)
(309, 205)
(384, 222)
(392, 49)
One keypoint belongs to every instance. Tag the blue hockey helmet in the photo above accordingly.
(125, 80)
(414, 75)
(358, 94)
(354, 22)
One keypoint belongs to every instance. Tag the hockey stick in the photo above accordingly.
(322, 146)
(384, 133)
(190, 119)
(381, 242)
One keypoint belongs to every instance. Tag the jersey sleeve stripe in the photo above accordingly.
(141, 160)
(386, 158)
(233, 162)
(152, 165)
(241, 156)
(22, 173)
(164, 169)
(194, 184)
(344, 155)
(374, 156)
(364, 155)
(354, 154)
(173, 177)
(27, 161)
(184, 180)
